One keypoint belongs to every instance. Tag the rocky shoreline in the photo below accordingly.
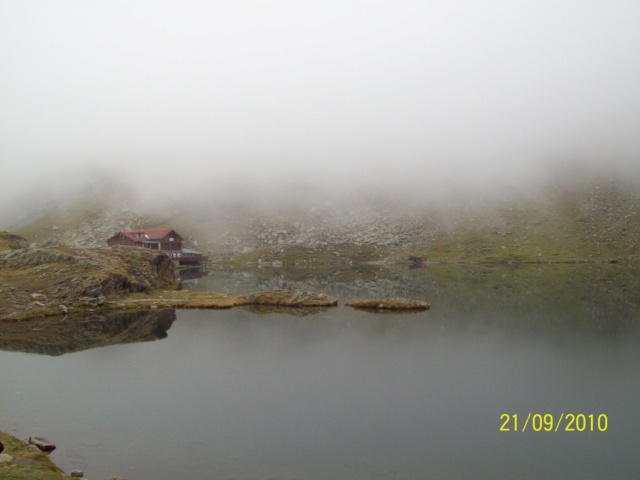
(58, 281)
(22, 460)
(29, 460)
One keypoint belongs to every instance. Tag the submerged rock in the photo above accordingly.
(393, 303)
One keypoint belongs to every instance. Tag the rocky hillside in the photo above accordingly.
(588, 220)
(84, 223)
(46, 281)
(579, 219)
(9, 241)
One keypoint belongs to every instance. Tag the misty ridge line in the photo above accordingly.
(285, 105)
(224, 196)
(584, 206)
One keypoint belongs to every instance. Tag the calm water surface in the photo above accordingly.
(341, 394)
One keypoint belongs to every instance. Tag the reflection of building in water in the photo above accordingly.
(191, 275)
(164, 239)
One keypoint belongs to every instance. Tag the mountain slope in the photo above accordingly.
(579, 220)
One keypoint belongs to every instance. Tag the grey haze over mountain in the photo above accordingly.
(422, 98)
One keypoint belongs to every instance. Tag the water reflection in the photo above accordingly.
(192, 275)
(344, 394)
(73, 333)
(577, 298)
(294, 311)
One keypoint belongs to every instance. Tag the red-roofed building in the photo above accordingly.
(165, 239)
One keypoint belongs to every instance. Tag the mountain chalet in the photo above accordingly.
(166, 240)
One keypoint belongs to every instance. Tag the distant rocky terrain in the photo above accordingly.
(9, 241)
(584, 219)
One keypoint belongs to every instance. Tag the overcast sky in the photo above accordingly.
(346, 92)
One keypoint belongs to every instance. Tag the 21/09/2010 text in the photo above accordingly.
(565, 422)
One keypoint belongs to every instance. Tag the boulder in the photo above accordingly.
(42, 443)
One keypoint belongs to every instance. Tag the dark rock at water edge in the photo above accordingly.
(42, 443)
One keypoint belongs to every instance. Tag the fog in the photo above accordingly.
(239, 97)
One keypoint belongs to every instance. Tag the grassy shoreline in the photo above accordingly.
(27, 464)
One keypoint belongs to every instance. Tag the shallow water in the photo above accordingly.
(341, 394)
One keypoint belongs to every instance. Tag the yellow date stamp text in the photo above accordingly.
(547, 422)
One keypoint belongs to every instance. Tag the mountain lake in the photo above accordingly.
(524, 372)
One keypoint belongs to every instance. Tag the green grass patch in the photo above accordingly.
(27, 464)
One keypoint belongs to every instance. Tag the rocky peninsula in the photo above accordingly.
(58, 280)
(54, 280)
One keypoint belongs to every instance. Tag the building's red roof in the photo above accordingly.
(151, 235)
(126, 234)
